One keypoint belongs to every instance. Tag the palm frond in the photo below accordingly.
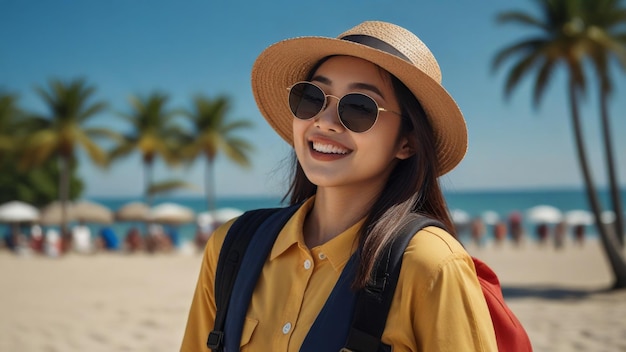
(169, 186)
(542, 80)
(521, 48)
(521, 18)
(95, 153)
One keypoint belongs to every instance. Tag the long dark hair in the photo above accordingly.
(412, 187)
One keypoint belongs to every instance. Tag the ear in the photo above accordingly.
(405, 149)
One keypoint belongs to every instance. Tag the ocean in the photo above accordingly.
(472, 203)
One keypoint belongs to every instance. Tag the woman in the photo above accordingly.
(372, 129)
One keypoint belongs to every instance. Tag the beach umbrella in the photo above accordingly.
(460, 216)
(490, 217)
(545, 214)
(88, 211)
(607, 216)
(225, 214)
(133, 211)
(52, 213)
(219, 216)
(17, 211)
(171, 213)
(204, 219)
(579, 217)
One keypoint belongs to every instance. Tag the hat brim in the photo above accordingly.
(286, 62)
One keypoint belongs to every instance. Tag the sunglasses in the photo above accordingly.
(357, 112)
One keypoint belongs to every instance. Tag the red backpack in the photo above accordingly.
(510, 333)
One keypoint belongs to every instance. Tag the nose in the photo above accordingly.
(328, 118)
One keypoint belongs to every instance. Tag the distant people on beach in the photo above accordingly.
(159, 239)
(107, 240)
(10, 239)
(16, 241)
(499, 232)
(478, 231)
(516, 229)
(36, 239)
(172, 241)
(53, 246)
(579, 234)
(133, 242)
(81, 239)
(542, 231)
(560, 231)
(204, 228)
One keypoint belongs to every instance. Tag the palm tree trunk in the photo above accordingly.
(616, 197)
(612, 247)
(209, 185)
(64, 188)
(147, 180)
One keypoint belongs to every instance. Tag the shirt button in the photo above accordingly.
(286, 328)
(307, 264)
(322, 256)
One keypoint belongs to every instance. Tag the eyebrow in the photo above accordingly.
(362, 86)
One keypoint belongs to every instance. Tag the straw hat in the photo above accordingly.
(389, 46)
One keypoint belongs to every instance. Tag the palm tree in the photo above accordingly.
(35, 185)
(605, 21)
(154, 133)
(59, 133)
(563, 39)
(212, 134)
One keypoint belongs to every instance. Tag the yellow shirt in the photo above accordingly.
(438, 304)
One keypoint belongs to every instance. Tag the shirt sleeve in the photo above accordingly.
(438, 304)
(202, 311)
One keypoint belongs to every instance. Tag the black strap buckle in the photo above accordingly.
(215, 340)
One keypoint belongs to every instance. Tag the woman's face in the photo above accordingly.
(333, 156)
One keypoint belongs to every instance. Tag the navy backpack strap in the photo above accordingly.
(332, 324)
(228, 265)
(231, 254)
(374, 301)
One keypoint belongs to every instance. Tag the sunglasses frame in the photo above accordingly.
(378, 107)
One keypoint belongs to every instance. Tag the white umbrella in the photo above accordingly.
(608, 216)
(204, 219)
(171, 213)
(17, 211)
(225, 214)
(490, 217)
(220, 215)
(544, 214)
(460, 216)
(579, 217)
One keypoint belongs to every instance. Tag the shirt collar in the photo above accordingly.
(337, 251)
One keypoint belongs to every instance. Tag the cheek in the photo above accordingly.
(299, 128)
(385, 136)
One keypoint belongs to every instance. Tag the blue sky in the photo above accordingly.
(183, 48)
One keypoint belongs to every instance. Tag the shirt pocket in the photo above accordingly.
(248, 330)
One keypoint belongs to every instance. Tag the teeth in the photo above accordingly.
(328, 148)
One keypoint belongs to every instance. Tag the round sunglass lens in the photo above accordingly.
(358, 112)
(305, 100)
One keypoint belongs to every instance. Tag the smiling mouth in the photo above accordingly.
(325, 148)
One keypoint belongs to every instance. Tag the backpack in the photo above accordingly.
(372, 302)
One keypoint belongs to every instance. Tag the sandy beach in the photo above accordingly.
(139, 302)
